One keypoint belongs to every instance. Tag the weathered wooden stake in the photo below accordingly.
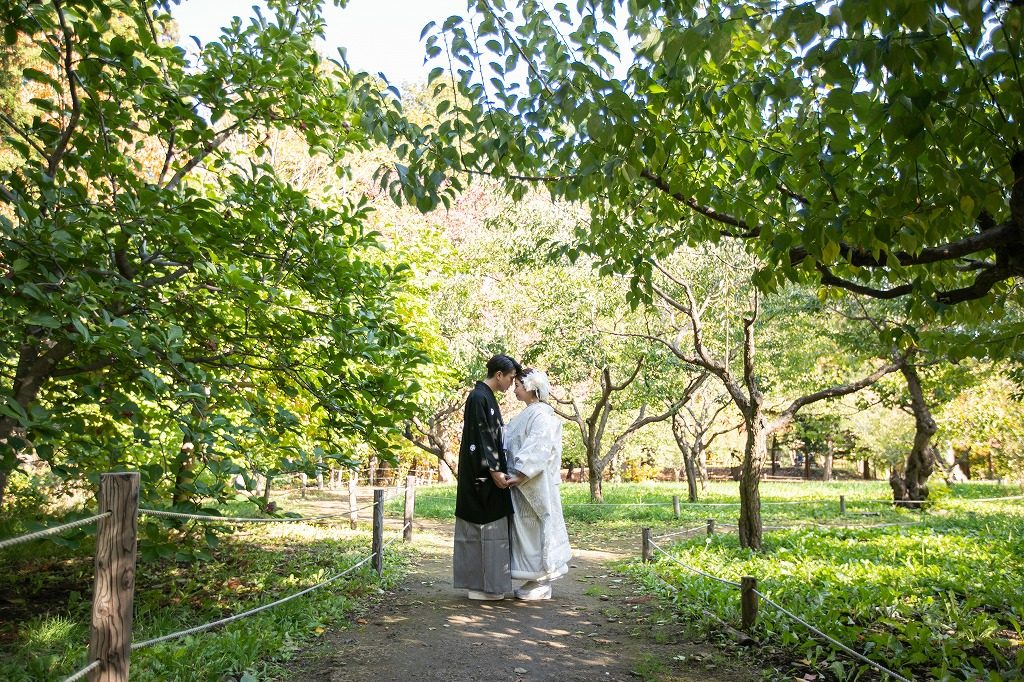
(353, 513)
(378, 531)
(748, 602)
(110, 637)
(711, 526)
(842, 504)
(302, 483)
(675, 506)
(645, 549)
(410, 507)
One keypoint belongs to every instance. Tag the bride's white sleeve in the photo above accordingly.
(543, 442)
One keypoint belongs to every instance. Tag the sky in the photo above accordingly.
(378, 35)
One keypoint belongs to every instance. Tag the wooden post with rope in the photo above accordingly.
(645, 546)
(675, 506)
(711, 526)
(410, 507)
(353, 513)
(110, 634)
(378, 532)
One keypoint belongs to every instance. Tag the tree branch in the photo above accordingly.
(834, 392)
(76, 105)
(724, 218)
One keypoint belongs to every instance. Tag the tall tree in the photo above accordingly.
(745, 390)
(153, 257)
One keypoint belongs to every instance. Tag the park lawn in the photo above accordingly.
(44, 628)
(939, 596)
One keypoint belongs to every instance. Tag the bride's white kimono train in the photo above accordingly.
(540, 543)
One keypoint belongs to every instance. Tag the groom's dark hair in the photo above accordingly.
(502, 363)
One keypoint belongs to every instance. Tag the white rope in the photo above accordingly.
(841, 526)
(681, 532)
(10, 542)
(986, 499)
(83, 672)
(244, 614)
(238, 519)
(695, 570)
(838, 644)
(398, 537)
(618, 504)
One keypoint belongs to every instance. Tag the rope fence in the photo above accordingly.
(110, 640)
(239, 519)
(83, 672)
(28, 537)
(831, 640)
(750, 596)
(245, 614)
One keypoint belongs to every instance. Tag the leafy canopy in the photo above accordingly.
(870, 146)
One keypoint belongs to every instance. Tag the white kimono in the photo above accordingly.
(540, 543)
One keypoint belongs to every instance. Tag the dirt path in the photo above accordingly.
(595, 628)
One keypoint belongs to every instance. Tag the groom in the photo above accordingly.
(483, 505)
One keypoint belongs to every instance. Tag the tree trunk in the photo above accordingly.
(702, 469)
(183, 472)
(964, 460)
(867, 469)
(4, 475)
(754, 455)
(826, 475)
(775, 455)
(689, 456)
(596, 494)
(807, 466)
(37, 360)
(910, 489)
(691, 478)
(991, 469)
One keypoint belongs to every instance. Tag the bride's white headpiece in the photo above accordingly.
(537, 382)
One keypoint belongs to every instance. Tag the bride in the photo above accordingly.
(533, 442)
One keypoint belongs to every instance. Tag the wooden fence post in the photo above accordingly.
(748, 602)
(675, 506)
(378, 531)
(645, 548)
(842, 504)
(110, 636)
(410, 507)
(353, 513)
(711, 526)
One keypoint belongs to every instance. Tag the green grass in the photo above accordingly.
(943, 599)
(44, 633)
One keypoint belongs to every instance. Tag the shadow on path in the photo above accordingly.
(593, 629)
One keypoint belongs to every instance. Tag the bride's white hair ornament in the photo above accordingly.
(536, 382)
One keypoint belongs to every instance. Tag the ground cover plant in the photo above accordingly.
(44, 610)
(938, 599)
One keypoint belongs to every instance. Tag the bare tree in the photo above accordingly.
(693, 435)
(593, 423)
(745, 392)
(434, 435)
